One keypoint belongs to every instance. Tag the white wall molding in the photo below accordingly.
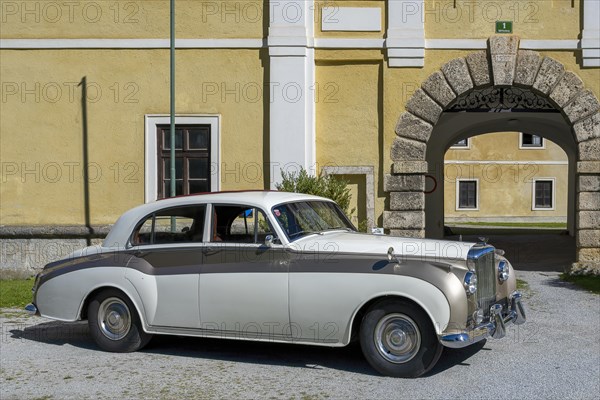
(130, 43)
(294, 45)
(406, 31)
(292, 126)
(590, 35)
(348, 43)
(151, 151)
(351, 19)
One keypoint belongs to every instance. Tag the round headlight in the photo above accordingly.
(470, 282)
(503, 273)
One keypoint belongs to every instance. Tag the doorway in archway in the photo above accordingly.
(512, 189)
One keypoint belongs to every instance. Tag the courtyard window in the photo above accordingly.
(467, 195)
(543, 194)
(461, 144)
(531, 141)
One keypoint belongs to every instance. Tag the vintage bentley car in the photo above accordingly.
(280, 267)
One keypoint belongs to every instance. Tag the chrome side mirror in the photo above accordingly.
(269, 240)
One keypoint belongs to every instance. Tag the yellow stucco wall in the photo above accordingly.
(132, 19)
(359, 102)
(546, 19)
(505, 190)
(348, 121)
(42, 128)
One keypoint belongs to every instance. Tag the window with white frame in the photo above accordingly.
(467, 195)
(462, 144)
(529, 141)
(543, 194)
(197, 153)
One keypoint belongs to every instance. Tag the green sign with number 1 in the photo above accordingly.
(504, 26)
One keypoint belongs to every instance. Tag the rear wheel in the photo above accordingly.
(398, 339)
(114, 323)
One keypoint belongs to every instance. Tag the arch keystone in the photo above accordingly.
(503, 54)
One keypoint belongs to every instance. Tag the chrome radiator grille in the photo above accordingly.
(485, 268)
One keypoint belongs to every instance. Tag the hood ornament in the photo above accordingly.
(483, 240)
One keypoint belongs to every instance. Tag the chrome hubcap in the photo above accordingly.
(114, 318)
(397, 338)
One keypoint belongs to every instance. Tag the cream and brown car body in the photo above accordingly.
(238, 270)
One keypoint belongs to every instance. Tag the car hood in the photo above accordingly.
(403, 247)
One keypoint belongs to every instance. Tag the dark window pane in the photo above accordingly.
(199, 138)
(543, 194)
(532, 140)
(198, 168)
(467, 194)
(178, 139)
(178, 187)
(178, 168)
(198, 186)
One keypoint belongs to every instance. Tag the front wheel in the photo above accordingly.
(398, 339)
(114, 323)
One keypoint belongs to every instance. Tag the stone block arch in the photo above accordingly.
(503, 65)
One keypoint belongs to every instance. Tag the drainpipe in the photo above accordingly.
(172, 130)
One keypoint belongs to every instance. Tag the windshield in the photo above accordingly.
(309, 217)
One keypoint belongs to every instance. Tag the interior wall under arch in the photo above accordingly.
(452, 127)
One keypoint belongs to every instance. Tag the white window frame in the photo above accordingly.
(477, 189)
(533, 207)
(151, 156)
(467, 147)
(521, 147)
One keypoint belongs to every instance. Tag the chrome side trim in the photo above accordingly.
(495, 328)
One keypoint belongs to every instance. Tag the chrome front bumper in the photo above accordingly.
(495, 328)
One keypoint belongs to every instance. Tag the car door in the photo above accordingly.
(168, 252)
(244, 281)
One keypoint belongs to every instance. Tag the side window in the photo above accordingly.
(174, 225)
(239, 224)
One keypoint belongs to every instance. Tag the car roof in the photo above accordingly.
(119, 234)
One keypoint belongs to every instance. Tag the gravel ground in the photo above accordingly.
(555, 355)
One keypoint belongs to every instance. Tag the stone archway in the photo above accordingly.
(502, 65)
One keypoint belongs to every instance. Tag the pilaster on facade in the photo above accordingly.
(292, 76)
(406, 33)
(590, 35)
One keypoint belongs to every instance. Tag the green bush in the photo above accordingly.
(325, 186)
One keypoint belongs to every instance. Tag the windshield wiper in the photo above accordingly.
(338, 228)
(304, 233)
